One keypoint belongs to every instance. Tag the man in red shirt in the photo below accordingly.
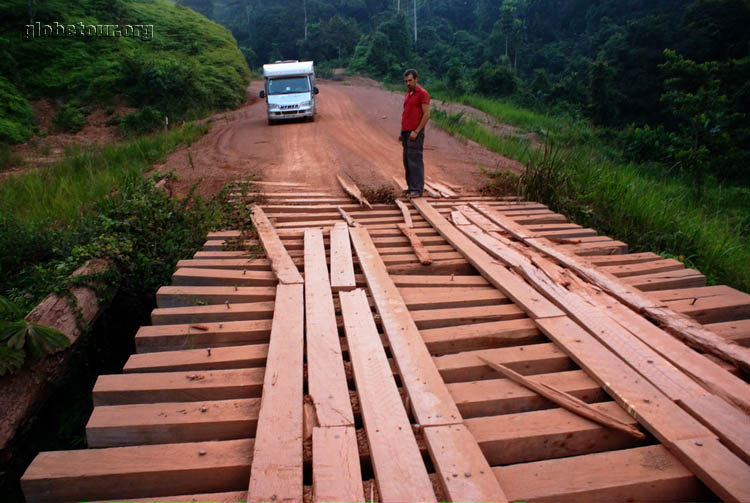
(413, 121)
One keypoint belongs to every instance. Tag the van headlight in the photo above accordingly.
(306, 104)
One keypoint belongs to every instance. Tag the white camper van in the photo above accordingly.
(289, 90)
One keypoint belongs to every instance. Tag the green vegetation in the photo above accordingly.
(97, 204)
(185, 68)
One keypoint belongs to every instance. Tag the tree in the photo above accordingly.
(601, 108)
(494, 80)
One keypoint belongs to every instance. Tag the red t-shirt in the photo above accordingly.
(413, 108)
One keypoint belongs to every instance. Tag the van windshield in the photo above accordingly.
(290, 85)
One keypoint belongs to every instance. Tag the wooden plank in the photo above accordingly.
(225, 312)
(326, 380)
(349, 220)
(140, 471)
(527, 359)
(454, 339)
(342, 267)
(181, 296)
(277, 454)
(239, 263)
(546, 434)
(224, 497)
(566, 401)
(431, 191)
(737, 331)
(723, 472)
(714, 310)
(405, 212)
(464, 472)
(166, 423)
(201, 335)
(494, 397)
(430, 400)
(419, 250)
(219, 277)
(445, 191)
(730, 424)
(677, 430)
(592, 315)
(625, 270)
(352, 189)
(648, 474)
(153, 387)
(685, 278)
(498, 275)
(436, 318)
(399, 470)
(400, 183)
(335, 465)
(210, 358)
(281, 263)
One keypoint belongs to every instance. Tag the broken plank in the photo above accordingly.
(138, 471)
(419, 250)
(342, 267)
(430, 400)
(326, 380)
(349, 220)
(399, 469)
(405, 212)
(281, 263)
(536, 305)
(277, 454)
(352, 189)
(445, 191)
(566, 401)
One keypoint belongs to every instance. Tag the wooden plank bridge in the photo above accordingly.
(339, 367)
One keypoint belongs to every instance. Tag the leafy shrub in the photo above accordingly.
(495, 80)
(16, 116)
(143, 121)
(69, 118)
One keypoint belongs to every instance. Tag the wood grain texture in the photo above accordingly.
(326, 380)
(430, 400)
(497, 274)
(419, 249)
(399, 470)
(335, 466)
(342, 267)
(281, 263)
(277, 456)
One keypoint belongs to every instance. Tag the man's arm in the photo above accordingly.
(423, 122)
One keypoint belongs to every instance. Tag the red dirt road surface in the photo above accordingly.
(355, 133)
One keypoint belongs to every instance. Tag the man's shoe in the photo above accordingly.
(405, 192)
(414, 194)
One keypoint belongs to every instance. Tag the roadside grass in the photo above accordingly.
(702, 223)
(59, 194)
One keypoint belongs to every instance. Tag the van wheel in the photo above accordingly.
(311, 118)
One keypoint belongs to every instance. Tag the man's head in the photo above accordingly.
(410, 78)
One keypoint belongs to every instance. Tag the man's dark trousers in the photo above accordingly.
(413, 163)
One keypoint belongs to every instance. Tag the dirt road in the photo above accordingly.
(355, 132)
